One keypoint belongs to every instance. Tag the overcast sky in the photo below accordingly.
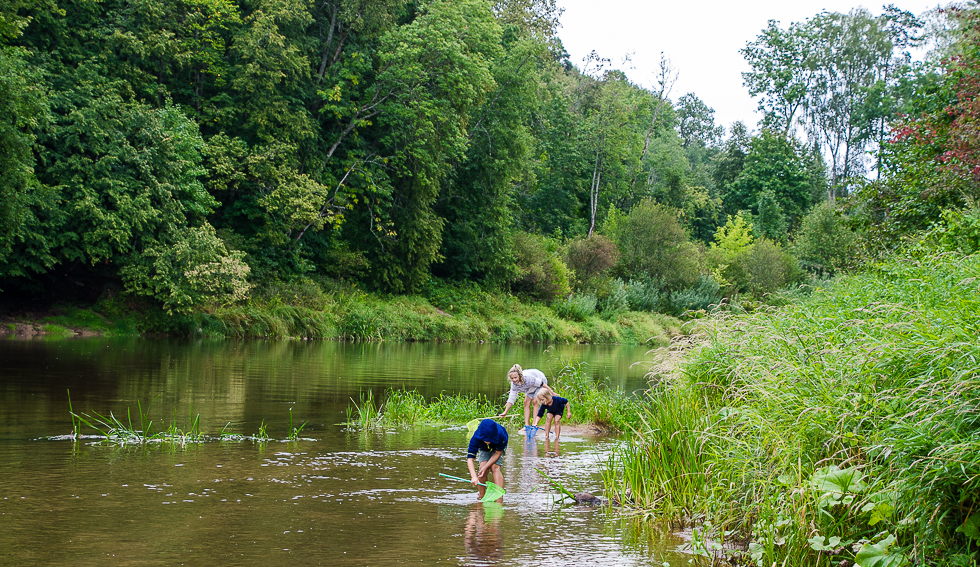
(701, 40)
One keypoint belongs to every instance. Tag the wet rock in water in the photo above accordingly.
(586, 498)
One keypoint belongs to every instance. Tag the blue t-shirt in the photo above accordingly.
(557, 406)
(489, 436)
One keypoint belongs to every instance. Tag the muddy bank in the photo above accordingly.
(21, 328)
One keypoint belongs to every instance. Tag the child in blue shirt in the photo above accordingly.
(488, 443)
(555, 407)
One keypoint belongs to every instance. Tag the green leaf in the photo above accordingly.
(971, 527)
(877, 555)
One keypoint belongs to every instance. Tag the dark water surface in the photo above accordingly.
(334, 497)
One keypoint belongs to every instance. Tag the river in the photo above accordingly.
(335, 496)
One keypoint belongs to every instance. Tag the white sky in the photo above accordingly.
(701, 40)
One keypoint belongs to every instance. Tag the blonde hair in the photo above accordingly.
(516, 369)
(543, 395)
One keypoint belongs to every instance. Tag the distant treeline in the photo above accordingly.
(188, 150)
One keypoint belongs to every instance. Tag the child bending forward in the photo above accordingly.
(488, 444)
(555, 407)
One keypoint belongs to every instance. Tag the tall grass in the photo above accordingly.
(841, 428)
(593, 402)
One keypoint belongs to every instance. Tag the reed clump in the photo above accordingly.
(843, 428)
(594, 401)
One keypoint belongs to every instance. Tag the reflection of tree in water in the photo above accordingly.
(481, 535)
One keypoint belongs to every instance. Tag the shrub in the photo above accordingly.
(591, 258)
(652, 241)
(769, 267)
(577, 307)
(543, 275)
(614, 300)
(643, 295)
(195, 269)
(702, 296)
(823, 244)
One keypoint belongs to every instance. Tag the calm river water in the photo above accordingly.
(334, 497)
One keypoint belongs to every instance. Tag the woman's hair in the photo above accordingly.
(543, 394)
(516, 369)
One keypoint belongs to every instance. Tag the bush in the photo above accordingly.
(614, 300)
(702, 296)
(591, 258)
(543, 275)
(577, 307)
(193, 270)
(769, 267)
(643, 295)
(823, 244)
(652, 242)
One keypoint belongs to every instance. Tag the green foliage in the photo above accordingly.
(591, 258)
(194, 270)
(405, 407)
(23, 106)
(839, 425)
(959, 231)
(774, 166)
(770, 267)
(594, 400)
(121, 178)
(704, 295)
(643, 295)
(652, 243)
(577, 306)
(614, 299)
(824, 244)
(542, 274)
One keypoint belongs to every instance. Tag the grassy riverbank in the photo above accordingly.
(842, 428)
(324, 310)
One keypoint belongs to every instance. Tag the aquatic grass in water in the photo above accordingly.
(874, 380)
(404, 407)
(122, 431)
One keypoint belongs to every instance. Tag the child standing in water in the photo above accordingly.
(488, 444)
(525, 382)
(555, 407)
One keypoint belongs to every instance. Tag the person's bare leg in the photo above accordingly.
(482, 489)
(527, 409)
(547, 426)
(557, 427)
(498, 475)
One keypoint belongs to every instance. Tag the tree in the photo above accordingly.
(823, 244)
(696, 123)
(773, 165)
(653, 243)
(23, 109)
(832, 75)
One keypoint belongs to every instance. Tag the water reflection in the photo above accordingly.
(482, 539)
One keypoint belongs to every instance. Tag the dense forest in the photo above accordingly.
(195, 153)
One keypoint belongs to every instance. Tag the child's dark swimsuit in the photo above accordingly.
(557, 407)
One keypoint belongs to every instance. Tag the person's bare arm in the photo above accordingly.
(474, 480)
(488, 463)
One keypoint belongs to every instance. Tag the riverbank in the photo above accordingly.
(839, 430)
(311, 311)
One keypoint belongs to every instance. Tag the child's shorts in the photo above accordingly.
(484, 455)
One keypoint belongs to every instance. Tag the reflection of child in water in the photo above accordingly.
(487, 445)
(482, 534)
(555, 407)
